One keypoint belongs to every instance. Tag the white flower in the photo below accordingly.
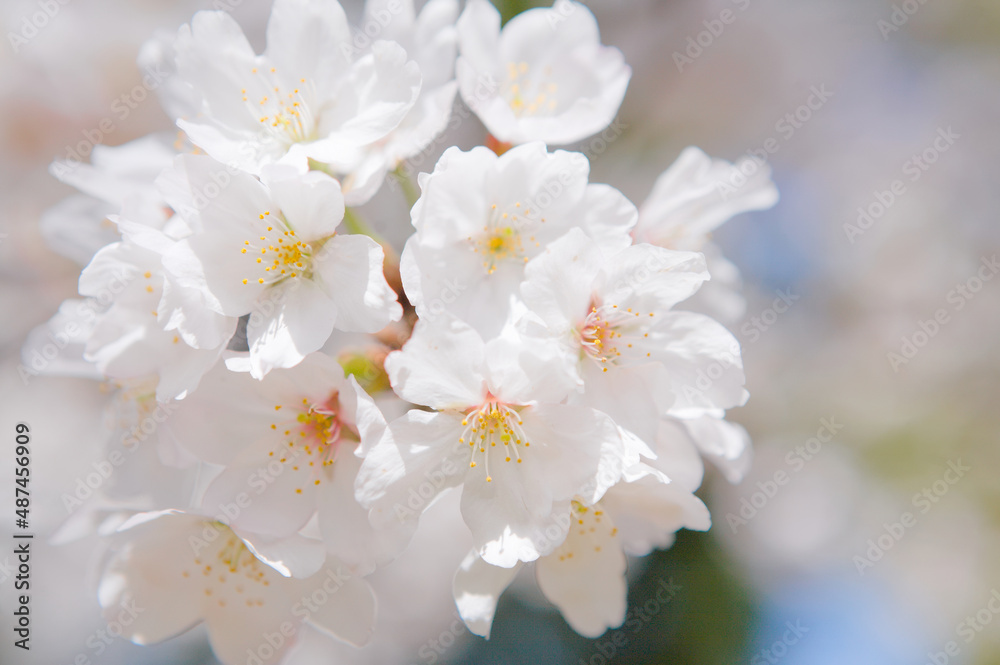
(481, 218)
(287, 446)
(691, 199)
(123, 176)
(132, 337)
(544, 77)
(697, 194)
(118, 178)
(429, 38)
(176, 569)
(496, 430)
(585, 576)
(272, 250)
(725, 444)
(634, 356)
(57, 346)
(78, 226)
(305, 97)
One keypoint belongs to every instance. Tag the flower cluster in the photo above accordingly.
(531, 347)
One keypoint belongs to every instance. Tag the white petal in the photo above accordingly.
(135, 578)
(420, 457)
(676, 454)
(195, 424)
(441, 366)
(453, 201)
(292, 556)
(583, 445)
(382, 88)
(347, 532)
(57, 346)
(350, 268)
(437, 41)
(634, 396)
(301, 321)
(369, 420)
(348, 613)
(309, 38)
(273, 495)
(189, 311)
(477, 588)
(607, 217)
(721, 297)
(214, 57)
(396, 18)
(697, 194)
(651, 279)
(232, 638)
(518, 511)
(562, 42)
(726, 444)
(427, 120)
(559, 283)
(312, 203)
(479, 38)
(585, 576)
(77, 227)
(702, 358)
(526, 369)
(113, 269)
(648, 512)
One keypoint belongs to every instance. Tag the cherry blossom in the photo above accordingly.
(544, 77)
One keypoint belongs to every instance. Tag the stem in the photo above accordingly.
(390, 268)
(410, 191)
(321, 166)
(511, 8)
(355, 224)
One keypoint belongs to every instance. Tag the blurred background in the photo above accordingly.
(869, 528)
